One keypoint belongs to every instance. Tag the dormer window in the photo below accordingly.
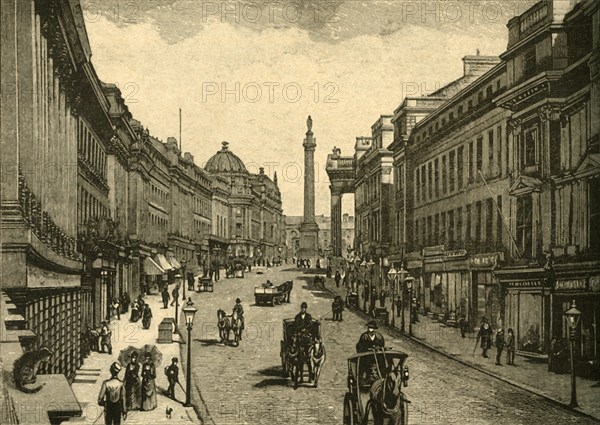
(488, 92)
(460, 110)
(443, 121)
(451, 116)
(470, 104)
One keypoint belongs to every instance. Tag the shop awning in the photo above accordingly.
(151, 268)
(162, 262)
(174, 263)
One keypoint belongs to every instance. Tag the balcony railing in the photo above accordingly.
(42, 224)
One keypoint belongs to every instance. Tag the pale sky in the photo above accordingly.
(249, 72)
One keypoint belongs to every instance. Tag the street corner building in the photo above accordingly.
(93, 207)
(487, 191)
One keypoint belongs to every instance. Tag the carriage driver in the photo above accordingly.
(240, 311)
(303, 319)
(370, 339)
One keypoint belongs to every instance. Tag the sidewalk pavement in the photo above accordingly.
(95, 370)
(526, 374)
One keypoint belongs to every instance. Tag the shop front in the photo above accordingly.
(527, 309)
(584, 290)
(488, 300)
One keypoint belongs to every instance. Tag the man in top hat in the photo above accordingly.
(303, 319)
(112, 397)
(240, 312)
(370, 339)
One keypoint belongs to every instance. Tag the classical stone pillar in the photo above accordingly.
(336, 223)
(309, 230)
(309, 176)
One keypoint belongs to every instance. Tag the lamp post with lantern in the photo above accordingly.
(184, 282)
(409, 285)
(178, 284)
(402, 277)
(393, 274)
(370, 265)
(573, 315)
(188, 312)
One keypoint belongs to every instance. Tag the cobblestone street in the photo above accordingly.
(245, 384)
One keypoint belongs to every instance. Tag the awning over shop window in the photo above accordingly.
(151, 268)
(162, 261)
(174, 263)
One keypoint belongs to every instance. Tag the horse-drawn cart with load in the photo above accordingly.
(375, 381)
(273, 295)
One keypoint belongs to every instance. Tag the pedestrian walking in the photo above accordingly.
(172, 372)
(485, 335)
(463, 324)
(105, 335)
(190, 281)
(146, 317)
(135, 312)
(132, 383)
(112, 397)
(175, 294)
(116, 308)
(125, 301)
(510, 347)
(337, 307)
(318, 263)
(148, 384)
(499, 345)
(337, 278)
(165, 297)
(382, 297)
(398, 306)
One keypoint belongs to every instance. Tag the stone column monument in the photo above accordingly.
(309, 230)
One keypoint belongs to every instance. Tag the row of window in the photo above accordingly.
(459, 110)
(201, 227)
(158, 221)
(222, 226)
(476, 222)
(90, 148)
(465, 164)
(89, 207)
(370, 189)
(202, 207)
(158, 194)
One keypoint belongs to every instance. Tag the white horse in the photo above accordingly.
(316, 357)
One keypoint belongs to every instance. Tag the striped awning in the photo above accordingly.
(162, 262)
(151, 268)
(174, 263)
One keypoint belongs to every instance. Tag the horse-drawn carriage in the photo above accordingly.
(268, 294)
(375, 394)
(299, 348)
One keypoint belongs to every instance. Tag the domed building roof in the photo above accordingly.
(225, 161)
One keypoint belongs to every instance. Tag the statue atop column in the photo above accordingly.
(309, 123)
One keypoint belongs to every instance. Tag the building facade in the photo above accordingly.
(494, 203)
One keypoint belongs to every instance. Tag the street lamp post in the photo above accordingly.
(178, 283)
(409, 285)
(183, 264)
(402, 274)
(573, 315)
(189, 311)
(393, 273)
(370, 265)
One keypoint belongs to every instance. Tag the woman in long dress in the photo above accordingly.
(148, 384)
(135, 312)
(132, 383)
(146, 317)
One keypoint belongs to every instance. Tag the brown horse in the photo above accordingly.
(293, 360)
(224, 325)
(385, 405)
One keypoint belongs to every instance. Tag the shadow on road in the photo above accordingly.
(272, 382)
(208, 342)
(271, 371)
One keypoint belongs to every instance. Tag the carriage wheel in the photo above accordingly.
(369, 415)
(349, 414)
